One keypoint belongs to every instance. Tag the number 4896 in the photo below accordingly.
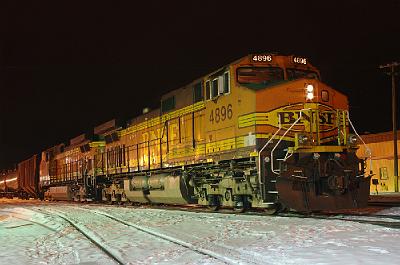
(221, 114)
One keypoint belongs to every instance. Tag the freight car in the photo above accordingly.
(21, 182)
(28, 177)
(8, 183)
(261, 132)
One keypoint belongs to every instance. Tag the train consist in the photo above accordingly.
(262, 132)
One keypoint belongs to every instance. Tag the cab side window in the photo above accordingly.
(168, 104)
(226, 83)
(217, 86)
(208, 90)
(214, 88)
(197, 92)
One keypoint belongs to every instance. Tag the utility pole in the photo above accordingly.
(393, 74)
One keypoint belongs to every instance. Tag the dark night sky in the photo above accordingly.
(65, 68)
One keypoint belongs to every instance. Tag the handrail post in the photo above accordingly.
(259, 156)
(280, 140)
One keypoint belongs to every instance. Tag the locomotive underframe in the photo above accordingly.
(230, 183)
(301, 184)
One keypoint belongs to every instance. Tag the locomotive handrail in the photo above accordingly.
(262, 149)
(369, 152)
(280, 140)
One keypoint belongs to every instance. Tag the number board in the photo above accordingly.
(300, 60)
(260, 58)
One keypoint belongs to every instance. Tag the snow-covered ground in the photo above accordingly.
(34, 233)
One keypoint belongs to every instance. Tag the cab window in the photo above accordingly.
(168, 104)
(214, 88)
(217, 86)
(293, 74)
(208, 90)
(197, 92)
(259, 77)
(226, 83)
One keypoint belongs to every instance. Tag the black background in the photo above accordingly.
(68, 66)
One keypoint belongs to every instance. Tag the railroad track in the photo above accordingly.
(241, 257)
(85, 232)
(21, 217)
(93, 238)
(112, 253)
(348, 217)
(358, 218)
(384, 203)
(176, 241)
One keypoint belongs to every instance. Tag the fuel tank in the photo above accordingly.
(159, 188)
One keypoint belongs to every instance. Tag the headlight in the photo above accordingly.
(352, 139)
(309, 92)
(310, 96)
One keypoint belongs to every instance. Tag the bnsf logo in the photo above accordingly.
(325, 117)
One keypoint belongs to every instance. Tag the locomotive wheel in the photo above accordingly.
(239, 209)
(213, 208)
(274, 209)
(271, 211)
(241, 204)
(214, 202)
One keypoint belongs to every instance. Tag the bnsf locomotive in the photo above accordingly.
(261, 132)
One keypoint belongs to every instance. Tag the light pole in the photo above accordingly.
(394, 121)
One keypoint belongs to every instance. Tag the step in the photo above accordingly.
(268, 203)
(299, 177)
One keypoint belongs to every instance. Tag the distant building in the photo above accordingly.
(381, 146)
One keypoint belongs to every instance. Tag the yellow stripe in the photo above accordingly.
(160, 120)
(263, 135)
(256, 118)
(97, 144)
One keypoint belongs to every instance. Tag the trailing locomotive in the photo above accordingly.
(261, 132)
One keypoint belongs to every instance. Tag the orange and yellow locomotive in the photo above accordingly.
(261, 132)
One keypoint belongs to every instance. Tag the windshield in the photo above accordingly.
(259, 77)
(300, 73)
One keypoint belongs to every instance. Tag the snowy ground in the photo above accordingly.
(34, 233)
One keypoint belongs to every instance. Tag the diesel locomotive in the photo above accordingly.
(261, 132)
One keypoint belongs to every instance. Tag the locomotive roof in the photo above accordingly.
(246, 60)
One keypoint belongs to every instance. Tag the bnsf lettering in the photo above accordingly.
(289, 117)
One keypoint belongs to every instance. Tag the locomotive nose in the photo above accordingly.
(325, 183)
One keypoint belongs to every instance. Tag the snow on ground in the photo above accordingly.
(30, 238)
(391, 211)
(31, 234)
